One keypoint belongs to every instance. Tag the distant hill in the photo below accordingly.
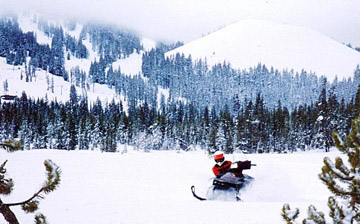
(80, 46)
(246, 43)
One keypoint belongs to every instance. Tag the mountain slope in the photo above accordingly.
(129, 65)
(44, 84)
(247, 43)
(47, 85)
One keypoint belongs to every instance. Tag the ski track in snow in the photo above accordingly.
(154, 187)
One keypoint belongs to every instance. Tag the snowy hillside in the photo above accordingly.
(48, 85)
(138, 187)
(249, 42)
(54, 87)
(129, 66)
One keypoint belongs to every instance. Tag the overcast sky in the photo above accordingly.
(186, 20)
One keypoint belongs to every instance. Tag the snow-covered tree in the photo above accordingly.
(342, 179)
(6, 86)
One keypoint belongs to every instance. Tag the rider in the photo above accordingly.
(222, 166)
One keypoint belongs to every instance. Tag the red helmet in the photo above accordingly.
(218, 155)
(219, 158)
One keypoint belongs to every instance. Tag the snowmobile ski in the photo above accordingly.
(196, 196)
(237, 195)
(228, 187)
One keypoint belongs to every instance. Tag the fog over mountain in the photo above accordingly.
(188, 20)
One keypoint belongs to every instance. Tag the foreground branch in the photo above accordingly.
(31, 204)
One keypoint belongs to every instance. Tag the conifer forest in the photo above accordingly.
(254, 110)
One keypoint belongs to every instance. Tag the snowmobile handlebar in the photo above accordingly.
(244, 165)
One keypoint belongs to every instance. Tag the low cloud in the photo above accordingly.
(186, 20)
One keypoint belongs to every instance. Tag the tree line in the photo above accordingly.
(76, 125)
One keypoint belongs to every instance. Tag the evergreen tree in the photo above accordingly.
(357, 102)
(72, 118)
(212, 145)
(60, 130)
(227, 130)
(322, 119)
(83, 138)
(57, 63)
(31, 204)
(73, 96)
(6, 86)
(342, 179)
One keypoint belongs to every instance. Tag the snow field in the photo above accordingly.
(139, 187)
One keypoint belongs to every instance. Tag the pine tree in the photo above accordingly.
(212, 145)
(356, 110)
(72, 118)
(30, 205)
(226, 126)
(6, 86)
(342, 179)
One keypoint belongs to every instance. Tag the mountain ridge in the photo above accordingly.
(247, 43)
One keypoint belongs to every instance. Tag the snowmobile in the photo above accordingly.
(229, 185)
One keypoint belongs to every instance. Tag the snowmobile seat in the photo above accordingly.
(228, 180)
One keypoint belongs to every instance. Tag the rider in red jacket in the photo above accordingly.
(222, 166)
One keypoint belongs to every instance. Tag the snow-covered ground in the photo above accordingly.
(154, 187)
